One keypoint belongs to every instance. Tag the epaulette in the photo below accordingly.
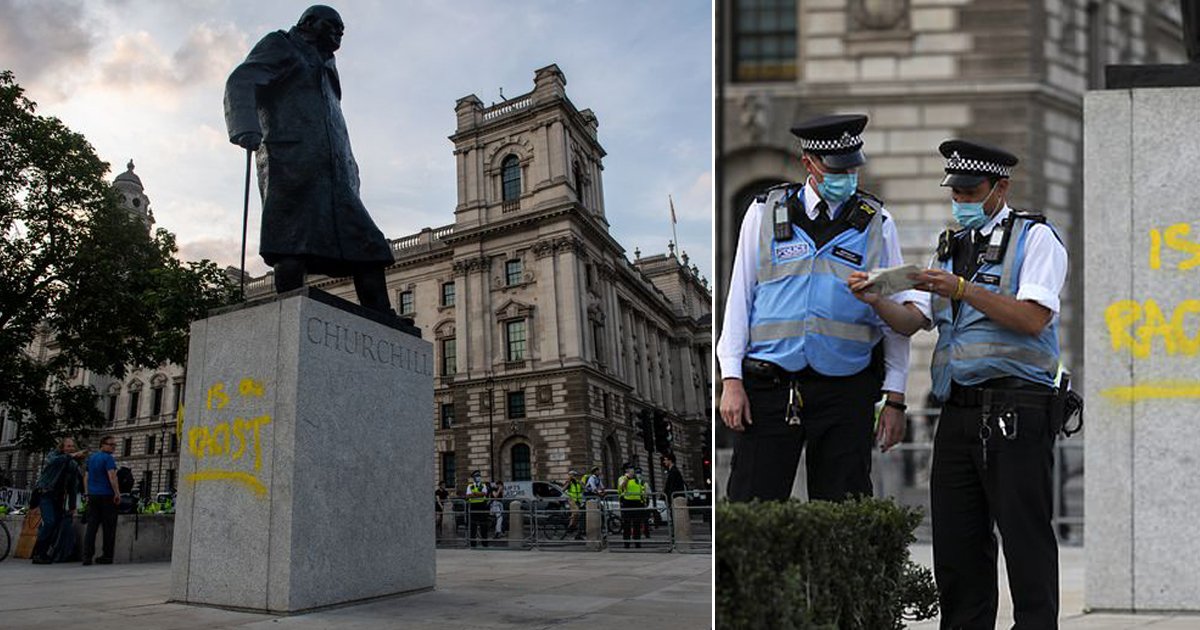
(866, 206)
(762, 196)
(1029, 215)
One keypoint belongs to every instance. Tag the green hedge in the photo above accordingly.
(839, 566)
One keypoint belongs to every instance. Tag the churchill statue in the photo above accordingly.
(284, 102)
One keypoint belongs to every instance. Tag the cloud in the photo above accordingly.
(205, 57)
(44, 42)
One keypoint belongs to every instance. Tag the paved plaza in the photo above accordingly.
(475, 589)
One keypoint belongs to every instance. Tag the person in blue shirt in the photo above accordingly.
(104, 495)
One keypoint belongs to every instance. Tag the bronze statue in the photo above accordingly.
(284, 101)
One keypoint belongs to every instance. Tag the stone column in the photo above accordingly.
(1142, 496)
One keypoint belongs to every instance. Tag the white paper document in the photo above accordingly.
(893, 279)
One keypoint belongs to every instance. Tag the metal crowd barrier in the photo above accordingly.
(563, 526)
(692, 521)
(643, 529)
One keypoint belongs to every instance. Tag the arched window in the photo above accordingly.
(510, 178)
(521, 468)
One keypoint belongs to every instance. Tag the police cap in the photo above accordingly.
(969, 164)
(836, 139)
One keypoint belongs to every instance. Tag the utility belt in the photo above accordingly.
(764, 373)
(1001, 395)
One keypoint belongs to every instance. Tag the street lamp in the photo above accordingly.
(491, 385)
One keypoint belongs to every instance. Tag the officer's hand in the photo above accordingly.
(891, 428)
(735, 407)
(248, 140)
(937, 281)
(116, 499)
(859, 288)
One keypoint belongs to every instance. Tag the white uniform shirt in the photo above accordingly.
(1042, 274)
(735, 336)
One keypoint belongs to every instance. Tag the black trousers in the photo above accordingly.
(478, 519)
(837, 429)
(632, 521)
(101, 512)
(1012, 493)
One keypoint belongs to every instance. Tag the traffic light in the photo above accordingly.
(663, 436)
(708, 473)
(645, 429)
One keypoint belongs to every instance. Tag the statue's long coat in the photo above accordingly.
(289, 92)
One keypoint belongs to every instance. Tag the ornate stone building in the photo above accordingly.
(547, 339)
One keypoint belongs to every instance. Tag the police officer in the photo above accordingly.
(574, 489)
(993, 295)
(803, 360)
(630, 490)
(477, 505)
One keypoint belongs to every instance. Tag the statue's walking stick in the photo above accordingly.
(245, 218)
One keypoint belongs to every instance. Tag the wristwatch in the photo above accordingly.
(895, 405)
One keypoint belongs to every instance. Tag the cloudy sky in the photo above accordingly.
(144, 79)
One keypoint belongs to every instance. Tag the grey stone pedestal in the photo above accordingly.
(1142, 349)
(306, 461)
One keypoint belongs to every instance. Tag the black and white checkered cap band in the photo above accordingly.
(847, 141)
(956, 163)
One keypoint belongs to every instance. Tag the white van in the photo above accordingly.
(545, 492)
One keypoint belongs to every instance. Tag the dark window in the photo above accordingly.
(521, 469)
(448, 470)
(449, 357)
(156, 404)
(178, 397)
(150, 445)
(133, 404)
(515, 338)
(764, 40)
(512, 271)
(406, 303)
(112, 407)
(447, 415)
(448, 294)
(606, 405)
(127, 447)
(170, 480)
(147, 483)
(516, 404)
(174, 445)
(510, 176)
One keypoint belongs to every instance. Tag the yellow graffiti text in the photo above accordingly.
(228, 439)
(1134, 326)
(243, 478)
(179, 422)
(216, 398)
(1175, 238)
(251, 387)
(1154, 391)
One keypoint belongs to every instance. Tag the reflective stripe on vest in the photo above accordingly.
(474, 488)
(972, 349)
(802, 313)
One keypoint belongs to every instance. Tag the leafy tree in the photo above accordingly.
(79, 271)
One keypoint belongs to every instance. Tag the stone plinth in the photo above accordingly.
(306, 458)
(1142, 351)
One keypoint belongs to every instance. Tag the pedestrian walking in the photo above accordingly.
(104, 495)
(440, 496)
(675, 483)
(497, 507)
(803, 362)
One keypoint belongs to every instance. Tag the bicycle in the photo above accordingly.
(5, 540)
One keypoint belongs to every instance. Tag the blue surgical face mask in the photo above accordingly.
(837, 187)
(970, 214)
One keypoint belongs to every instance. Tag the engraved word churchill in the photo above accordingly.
(335, 336)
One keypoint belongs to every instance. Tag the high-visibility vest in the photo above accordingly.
(575, 491)
(633, 490)
(972, 348)
(482, 488)
(803, 313)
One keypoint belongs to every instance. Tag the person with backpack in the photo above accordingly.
(104, 495)
(55, 494)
